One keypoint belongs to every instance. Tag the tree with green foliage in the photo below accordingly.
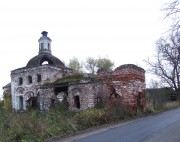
(7, 101)
(75, 64)
(1, 104)
(91, 65)
(105, 63)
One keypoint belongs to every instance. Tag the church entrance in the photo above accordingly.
(32, 103)
(61, 93)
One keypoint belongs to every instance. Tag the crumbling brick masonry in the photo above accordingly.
(45, 82)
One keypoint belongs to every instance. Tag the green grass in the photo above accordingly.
(75, 78)
(34, 125)
(38, 126)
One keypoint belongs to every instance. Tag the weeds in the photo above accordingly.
(37, 126)
(33, 125)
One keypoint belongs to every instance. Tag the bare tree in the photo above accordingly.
(166, 63)
(173, 11)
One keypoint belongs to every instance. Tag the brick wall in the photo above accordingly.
(128, 82)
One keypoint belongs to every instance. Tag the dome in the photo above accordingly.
(42, 58)
(132, 66)
(102, 70)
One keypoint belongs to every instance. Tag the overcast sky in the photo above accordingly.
(123, 30)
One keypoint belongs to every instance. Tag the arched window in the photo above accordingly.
(29, 79)
(46, 61)
(48, 46)
(20, 90)
(42, 45)
(20, 81)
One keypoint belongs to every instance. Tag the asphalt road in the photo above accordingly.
(163, 127)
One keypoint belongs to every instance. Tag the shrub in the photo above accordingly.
(149, 109)
(7, 101)
(1, 105)
(117, 113)
(91, 117)
(94, 117)
(170, 105)
(33, 125)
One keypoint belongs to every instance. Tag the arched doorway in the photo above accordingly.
(31, 100)
(32, 103)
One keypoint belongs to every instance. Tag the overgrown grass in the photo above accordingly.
(170, 105)
(150, 108)
(38, 126)
(34, 125)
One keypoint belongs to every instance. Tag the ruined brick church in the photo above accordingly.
(46, 82)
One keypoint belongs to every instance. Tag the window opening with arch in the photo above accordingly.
(48, 46)
(42, 45)
(29, 79)
(46, 61)
(20, 81)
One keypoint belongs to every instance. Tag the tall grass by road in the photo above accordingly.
(38, 126)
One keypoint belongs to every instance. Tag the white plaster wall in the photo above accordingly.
(48, 74)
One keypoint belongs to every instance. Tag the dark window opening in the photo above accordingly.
(48, 46)
(38, 78)
(98, 100)
(113, 93)
(20, 81)
(77, 102)
(52, 103)
(21, 102)
(29, 79)
(42, 45)
(61, 89)
(139, 101)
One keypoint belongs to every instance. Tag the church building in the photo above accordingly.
(41, 69)
(45, 82)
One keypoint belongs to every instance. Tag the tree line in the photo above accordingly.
(91, 65)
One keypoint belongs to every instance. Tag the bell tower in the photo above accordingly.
(44, 43)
